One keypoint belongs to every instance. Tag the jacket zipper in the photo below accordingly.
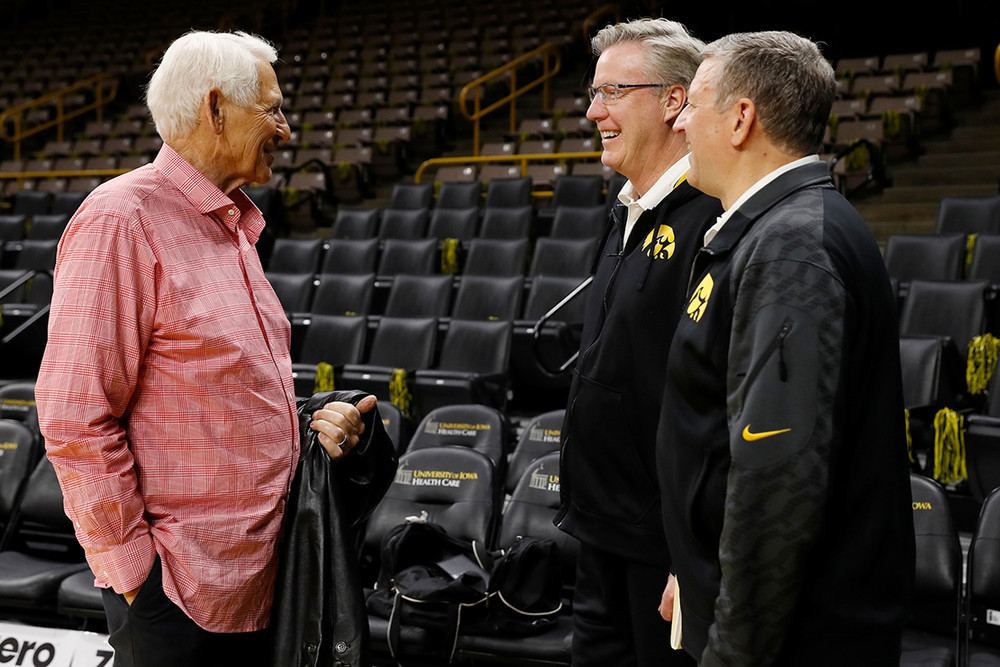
(777, 343)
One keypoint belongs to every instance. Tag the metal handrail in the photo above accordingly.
(549, 70)
(523, 159)
(15, 114)
(996, 63)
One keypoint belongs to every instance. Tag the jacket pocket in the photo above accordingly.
(609, 476)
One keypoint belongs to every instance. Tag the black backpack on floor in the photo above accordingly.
(435, 581)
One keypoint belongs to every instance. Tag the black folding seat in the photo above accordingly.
(957, 310)
(66, 202)
(454, 485)
(530, 512)
(37, 255)
(563, 257)
(355, 224)
(982, 643)
(541, 435)
(403, 224)
(985, 261)
(420, 296)
(295, 256)
(933, 376)
(343, 294)
(931, 634)
(969, 215)
(350, 256)
(982, 445)
(397, 425)
(418, 196)
(479, 427)
(399, 343)
(450, 486)
(12, 227)
(41, 549)
(459, 195)
(496, 257)
(508, 192)
(579, 222)
(507, 223)
(336, 340)
(925, 256)
(31, 202)
(488, 297)
(21, 450)
(294, 290)
(575, 190)
(414, 256)
(78, 598)
(454, 223)
(474, 366)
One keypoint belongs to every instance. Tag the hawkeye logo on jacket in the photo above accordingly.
(659, 243)
(699, 299)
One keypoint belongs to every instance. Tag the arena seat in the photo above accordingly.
(541, 436)
(355, 224)
(452, 486)
(981, 647)
(417, 256)
(495, 257)
(507, 223)
(41, 549)
(350, 256)
(474, 366)
(407, 343)
(530, 512)
(488, 297)
(343, 294)
(931, 635)
(454, 223)
(479, 427)
(925, 256)
(332, 339)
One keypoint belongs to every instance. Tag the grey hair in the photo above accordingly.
(789, 81)
(672, 53)
(197, 62)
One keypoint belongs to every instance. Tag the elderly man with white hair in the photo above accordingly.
(165, 393)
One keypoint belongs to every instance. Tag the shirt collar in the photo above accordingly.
(754, 189)
(670, 179)
(206, 197)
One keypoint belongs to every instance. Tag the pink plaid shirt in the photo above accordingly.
(165, 393)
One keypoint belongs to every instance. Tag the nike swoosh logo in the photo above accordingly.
(750, 437)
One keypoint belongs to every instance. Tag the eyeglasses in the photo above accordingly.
(612, 92)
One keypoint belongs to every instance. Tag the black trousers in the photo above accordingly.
(154, 632)
(616, 622)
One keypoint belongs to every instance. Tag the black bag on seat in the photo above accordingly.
(435, 581)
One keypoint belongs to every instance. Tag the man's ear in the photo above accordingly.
(213, 109)
(744, 119)
(673, 102)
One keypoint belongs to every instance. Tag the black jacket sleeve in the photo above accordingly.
(784, 373)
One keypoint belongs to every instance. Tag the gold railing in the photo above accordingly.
(27, 175)
(996, 63)
(598, 15)
(552, 61)
(105, 89)
(523, 160)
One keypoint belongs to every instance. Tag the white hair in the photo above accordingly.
(194, 64)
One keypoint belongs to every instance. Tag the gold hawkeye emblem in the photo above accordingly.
(659, 243)
(699, 299)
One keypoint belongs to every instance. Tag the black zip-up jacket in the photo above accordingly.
(781, 452)
(610, 496)
(319, 617)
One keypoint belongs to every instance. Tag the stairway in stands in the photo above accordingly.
(964, 163)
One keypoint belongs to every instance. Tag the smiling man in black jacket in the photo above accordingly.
(610, 497)
(781, 451)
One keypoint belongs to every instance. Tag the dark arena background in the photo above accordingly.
(442, 191)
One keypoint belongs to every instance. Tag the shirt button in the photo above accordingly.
(232, 211)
